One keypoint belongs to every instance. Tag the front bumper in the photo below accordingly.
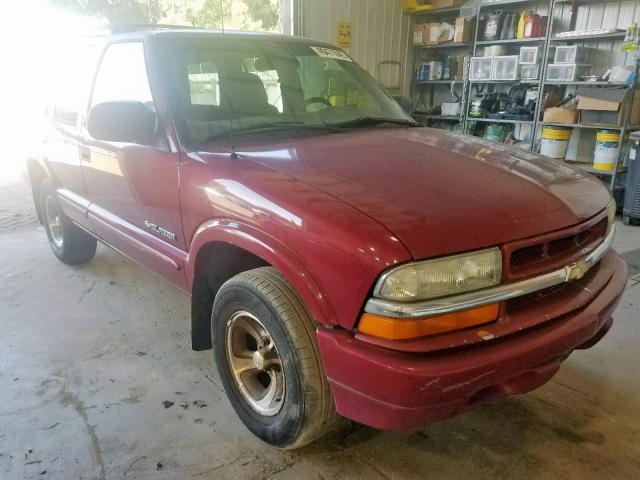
(399, 390)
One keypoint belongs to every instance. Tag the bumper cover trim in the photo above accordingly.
(500, 293)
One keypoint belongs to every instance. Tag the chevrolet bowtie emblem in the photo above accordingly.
(577, 270)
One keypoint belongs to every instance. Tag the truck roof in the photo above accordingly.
(129, 32)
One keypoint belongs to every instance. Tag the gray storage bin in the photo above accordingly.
(505, 67)
(566, 72)
(631, 207)
(480, 68)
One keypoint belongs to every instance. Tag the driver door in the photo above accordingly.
(133, 188)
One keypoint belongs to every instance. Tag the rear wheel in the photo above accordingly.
(69, 243)
(268, 359)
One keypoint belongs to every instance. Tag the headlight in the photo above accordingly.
(441, 277)
(611, 213)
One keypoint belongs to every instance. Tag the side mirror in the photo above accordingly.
(405, 102)
(130, 122)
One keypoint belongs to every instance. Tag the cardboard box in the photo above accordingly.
(560, 115)
(436, 34)
(447, 3)
(462, 31)
(429, 34)
(459, 73)
(418, 34)
(606, 106)
(421, 33)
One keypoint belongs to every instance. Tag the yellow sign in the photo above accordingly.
(344, 34)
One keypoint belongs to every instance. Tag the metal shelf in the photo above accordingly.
(514, 41)
(579, 2)
(506, 82)
(431, 116)
(436, 11)
(445, 45)
(497, 120)
(598, 83)
(580, 125)
(589, 38)
(429, 82)
(587, 167)
(506, 4)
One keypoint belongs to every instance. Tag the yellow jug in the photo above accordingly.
(521, 24)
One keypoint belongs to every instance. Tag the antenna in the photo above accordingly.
(234, 155)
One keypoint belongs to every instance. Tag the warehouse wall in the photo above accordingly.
(380, 32)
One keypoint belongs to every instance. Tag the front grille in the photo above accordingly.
(541, 299)
(553, 251)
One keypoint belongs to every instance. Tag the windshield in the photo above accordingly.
(279, 87)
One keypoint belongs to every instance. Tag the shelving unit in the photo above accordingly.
(546, 43)
(427, 88)
(468, 120)
(610, 177)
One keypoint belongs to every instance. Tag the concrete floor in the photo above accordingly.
(89, 354)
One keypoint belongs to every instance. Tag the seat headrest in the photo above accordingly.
(245, 94)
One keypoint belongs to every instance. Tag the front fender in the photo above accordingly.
(271, 251)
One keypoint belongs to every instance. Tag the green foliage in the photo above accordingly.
(212, 14)
(199, 13)
(266, 11)
(117, 11)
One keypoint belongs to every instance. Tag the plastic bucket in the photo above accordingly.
(555, 141)
(605, 155)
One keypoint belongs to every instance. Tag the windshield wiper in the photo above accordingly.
(273, 127)
(370, 121)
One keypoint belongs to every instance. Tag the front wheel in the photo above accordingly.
(69, 243)
(268, 359)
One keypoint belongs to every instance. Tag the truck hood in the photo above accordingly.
(439, 193)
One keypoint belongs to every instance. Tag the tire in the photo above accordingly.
(302, 409)
(69, 243)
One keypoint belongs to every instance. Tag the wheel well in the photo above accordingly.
(36, 174)
(216, 263)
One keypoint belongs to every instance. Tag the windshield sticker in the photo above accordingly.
(331, 53)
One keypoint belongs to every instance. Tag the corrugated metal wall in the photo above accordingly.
(380, 32)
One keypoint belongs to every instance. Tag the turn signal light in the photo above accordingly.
(406, 328)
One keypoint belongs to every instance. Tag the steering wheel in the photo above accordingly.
(316, 100)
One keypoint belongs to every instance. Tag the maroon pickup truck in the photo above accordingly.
(340, 260)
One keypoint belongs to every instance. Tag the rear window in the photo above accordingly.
(204, 83)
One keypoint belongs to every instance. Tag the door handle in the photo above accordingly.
(85, 154)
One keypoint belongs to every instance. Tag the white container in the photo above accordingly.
(605, 154)
(505, 67)
(566, 72)
(555, 141)
(554, 148)
(480, 68)
(450, 109)
(494, 50)
(529, 72)
(528, 55)
(571, 54)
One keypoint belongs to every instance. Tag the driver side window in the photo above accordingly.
(122, 76)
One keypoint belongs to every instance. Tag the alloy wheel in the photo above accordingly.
(255, 363)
